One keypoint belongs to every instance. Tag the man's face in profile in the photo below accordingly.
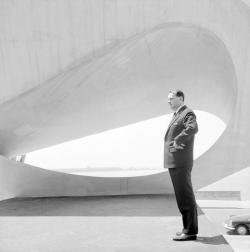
(174, 101)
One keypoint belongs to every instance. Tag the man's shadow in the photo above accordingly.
(214, 240)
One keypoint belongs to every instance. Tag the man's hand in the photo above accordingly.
(178, 147)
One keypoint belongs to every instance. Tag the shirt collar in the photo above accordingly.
(179, 108)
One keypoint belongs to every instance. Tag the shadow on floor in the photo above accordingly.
(132, 205)
(214, 240)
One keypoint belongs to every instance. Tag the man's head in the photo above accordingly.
(175, 99)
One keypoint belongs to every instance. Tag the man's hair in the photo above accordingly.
(178, 93)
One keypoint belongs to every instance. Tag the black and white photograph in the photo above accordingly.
(124, 125)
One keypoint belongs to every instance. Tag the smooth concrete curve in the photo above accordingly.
(199, 46)
(126, 85)
(22, 180)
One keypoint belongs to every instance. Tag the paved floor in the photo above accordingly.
(218, 211)
(108, 224)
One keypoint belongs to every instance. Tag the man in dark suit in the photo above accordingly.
(178, 158)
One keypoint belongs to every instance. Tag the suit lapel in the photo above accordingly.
(176, 117)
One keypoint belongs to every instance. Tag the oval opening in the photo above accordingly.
(133, 150)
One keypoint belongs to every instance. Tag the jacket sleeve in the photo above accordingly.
(190, 128)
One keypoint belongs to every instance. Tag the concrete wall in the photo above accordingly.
(237, 182)
(127, 85)
(82, 79)
(22, 180)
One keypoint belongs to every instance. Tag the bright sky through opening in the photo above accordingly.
(136, 146)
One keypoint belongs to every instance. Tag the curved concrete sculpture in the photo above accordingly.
(22, 180)
(118, 71)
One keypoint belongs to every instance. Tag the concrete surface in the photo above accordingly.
(22, 180)
(239, 181)
(91, 224)
(69, 79)
(217, 211)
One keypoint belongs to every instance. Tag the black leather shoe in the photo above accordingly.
(185, 237)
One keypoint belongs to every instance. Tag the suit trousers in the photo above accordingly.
(181, 180)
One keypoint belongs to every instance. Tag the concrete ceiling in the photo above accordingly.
(122, 84)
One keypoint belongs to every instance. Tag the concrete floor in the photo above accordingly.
(91, 224)
(218, 211)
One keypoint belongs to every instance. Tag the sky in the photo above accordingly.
(136, 146)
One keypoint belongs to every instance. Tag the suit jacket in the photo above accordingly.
(182, 130)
